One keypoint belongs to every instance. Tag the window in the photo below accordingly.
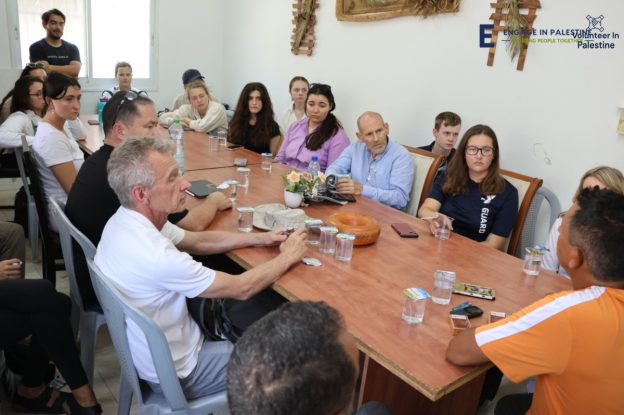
(103, 35)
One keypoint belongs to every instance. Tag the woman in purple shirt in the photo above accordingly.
(319, 134)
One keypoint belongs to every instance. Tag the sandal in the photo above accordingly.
(72, 407)
(39, 405)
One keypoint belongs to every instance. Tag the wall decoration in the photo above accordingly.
(302, 38)
(508, 17)
(368, 10)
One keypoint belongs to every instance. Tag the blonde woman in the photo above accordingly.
(602, 177)
(202, 114)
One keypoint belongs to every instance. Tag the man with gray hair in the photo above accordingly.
(379, 169)
(140, 252)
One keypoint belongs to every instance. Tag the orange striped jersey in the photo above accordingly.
(573, 341)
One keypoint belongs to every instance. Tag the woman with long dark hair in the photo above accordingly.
(252, 125)
(31, 69)
(56, 152)
(472, 191)
(319, 134)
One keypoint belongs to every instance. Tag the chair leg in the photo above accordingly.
(88, 337)
(125, 396)
(33, 234)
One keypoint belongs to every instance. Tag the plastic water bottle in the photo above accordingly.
(314, 167)
(101, 104)
(176, 133)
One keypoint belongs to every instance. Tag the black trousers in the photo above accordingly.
(35, 307)
(516, 404)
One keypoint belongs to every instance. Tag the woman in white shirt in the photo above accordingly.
(298, 89)
(203, 114)
(602, 177)
(57, 155)
(123, 76)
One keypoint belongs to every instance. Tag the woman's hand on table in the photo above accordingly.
(437, 220)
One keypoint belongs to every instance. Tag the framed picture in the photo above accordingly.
(368, 10)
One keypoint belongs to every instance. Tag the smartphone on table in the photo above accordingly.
(404, 230)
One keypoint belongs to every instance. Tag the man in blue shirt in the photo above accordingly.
(380, 169)
(55, 54)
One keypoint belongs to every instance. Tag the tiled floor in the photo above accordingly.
(106, 383)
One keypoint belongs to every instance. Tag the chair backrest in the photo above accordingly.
(67, 231)
(426, 165)
(36, 188)
(526, 186)
(527, 237)
(117, 311)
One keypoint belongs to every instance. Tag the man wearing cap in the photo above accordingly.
(188, 76)
(380, 169)
(54, 53)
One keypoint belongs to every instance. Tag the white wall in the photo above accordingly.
(410, 69)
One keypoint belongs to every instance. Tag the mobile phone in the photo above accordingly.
(93, 122)
(473, 290)
(468, 310)
(233, 147)
(404, 230)
(494, 316)
(459, 323)
(240, 162)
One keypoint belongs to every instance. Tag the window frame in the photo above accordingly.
(88, 82)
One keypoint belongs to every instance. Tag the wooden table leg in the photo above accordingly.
(378, 384)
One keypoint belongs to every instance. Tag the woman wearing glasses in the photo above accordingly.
(202, 114)
(298, 89)
(253, 125)
(320, 134)
(472, 191)
(57, 155)
(31, 69)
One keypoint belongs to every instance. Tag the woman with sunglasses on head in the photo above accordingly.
(123, 76)
(57, 155)
(31, 69)
(320, 134)
(472, 191)
(298, 88)
(253, 125)
(603, 177)
(203, 113)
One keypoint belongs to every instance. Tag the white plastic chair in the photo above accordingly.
(33, 218)
(89, 321)
(172, 400)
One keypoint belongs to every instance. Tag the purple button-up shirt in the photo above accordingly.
(294, 153)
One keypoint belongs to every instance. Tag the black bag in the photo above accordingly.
(21, 209)
(211, 318)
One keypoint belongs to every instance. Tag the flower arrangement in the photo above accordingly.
(303, 183)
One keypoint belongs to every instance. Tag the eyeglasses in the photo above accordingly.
(35, 65)
(130, 96)
(38, 94)
(320, 87)
(485, 151)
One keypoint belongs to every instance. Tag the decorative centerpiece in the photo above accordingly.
(297, 184)
(365, 228)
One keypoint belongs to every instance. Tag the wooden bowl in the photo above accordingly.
(365, 228)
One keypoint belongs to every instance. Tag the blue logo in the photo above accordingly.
(483, 36)
(595, 23)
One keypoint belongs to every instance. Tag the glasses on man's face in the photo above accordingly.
(486, 151)
(35, 65)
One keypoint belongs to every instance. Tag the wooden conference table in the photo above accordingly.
(399, 358)
(197, 152)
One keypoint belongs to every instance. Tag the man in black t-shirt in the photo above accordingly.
(55, 54)
(445, 131)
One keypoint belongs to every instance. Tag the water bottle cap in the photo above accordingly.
(314, 158)
(176, 121)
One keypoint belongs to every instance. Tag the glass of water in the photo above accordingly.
(267, 161)
(327, 242)
(242, 174)
(245, 218)
(344, 246)
(222, 137)
(442, 286)
(414, 304)
(532, 264)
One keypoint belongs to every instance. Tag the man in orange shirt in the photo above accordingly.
(573, 340)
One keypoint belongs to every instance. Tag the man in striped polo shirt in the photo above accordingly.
(573, 341)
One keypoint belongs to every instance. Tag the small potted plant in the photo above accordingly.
(297, 184)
